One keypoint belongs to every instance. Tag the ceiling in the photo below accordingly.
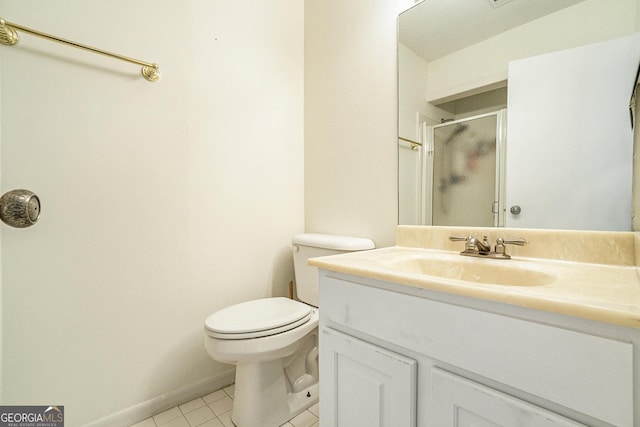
(434, 28)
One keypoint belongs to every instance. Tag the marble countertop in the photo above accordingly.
(607, 292)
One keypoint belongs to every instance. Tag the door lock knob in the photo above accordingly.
(19, 208)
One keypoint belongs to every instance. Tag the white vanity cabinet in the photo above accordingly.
(395, 355)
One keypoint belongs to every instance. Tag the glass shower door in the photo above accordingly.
(465, 157)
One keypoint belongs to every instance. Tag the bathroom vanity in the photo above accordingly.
(408, 341)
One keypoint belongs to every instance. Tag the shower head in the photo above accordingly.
(8, 35)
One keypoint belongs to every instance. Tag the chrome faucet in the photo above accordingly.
(482, 248)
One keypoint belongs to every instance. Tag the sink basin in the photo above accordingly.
(474, 270)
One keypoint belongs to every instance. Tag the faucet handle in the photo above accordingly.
(500, 248)
(519, 241)
(471, 241)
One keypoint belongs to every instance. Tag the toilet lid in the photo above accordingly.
(257, 318)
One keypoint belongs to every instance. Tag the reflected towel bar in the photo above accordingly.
(9, 37)
(414, 144)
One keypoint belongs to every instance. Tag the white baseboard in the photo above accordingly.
(166, 401)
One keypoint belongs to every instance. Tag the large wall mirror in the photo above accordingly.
(516, 113)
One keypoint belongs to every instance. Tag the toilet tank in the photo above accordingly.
(311, 245)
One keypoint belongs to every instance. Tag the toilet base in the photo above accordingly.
(262, 397)
(265, 396)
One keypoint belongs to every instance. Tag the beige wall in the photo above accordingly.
(156, 196)
(350, 117)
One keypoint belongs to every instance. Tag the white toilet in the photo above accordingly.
(274, 341)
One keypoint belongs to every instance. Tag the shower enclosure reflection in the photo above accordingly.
(455, 176)
(463, 167)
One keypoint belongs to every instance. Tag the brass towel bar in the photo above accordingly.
(9, 37)
(414, 144)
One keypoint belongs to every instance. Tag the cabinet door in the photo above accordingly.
(364, 385)
(463, 403)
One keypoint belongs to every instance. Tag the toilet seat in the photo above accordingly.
(257, 318)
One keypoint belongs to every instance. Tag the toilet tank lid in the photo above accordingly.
(331, 241)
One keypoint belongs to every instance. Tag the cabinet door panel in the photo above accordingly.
(458, 402)
(368, 385)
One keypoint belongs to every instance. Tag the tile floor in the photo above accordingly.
(214, 410)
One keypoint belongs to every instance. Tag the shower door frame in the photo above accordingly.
(499, 210)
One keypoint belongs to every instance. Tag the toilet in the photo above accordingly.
(273, 342)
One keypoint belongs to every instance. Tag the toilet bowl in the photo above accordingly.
(273, 342)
